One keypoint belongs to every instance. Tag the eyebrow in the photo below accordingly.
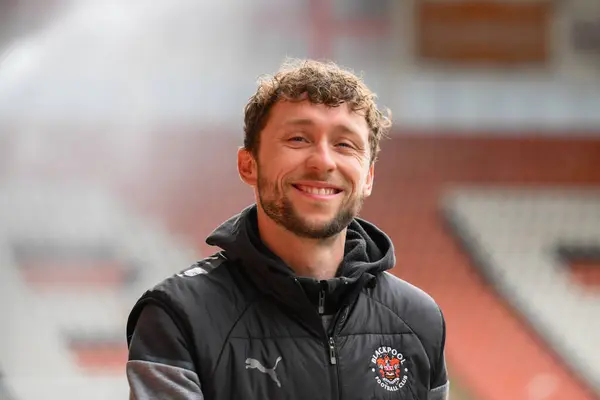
(309, 122)
(299, 121)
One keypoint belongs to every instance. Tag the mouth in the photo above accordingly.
(318, 191)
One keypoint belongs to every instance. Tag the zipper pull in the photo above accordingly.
(332, 358)
(322, 302)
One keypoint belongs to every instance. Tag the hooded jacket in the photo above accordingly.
(242, 325)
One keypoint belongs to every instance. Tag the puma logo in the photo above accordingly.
(252, 363)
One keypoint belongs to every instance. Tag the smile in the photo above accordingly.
(322, 192)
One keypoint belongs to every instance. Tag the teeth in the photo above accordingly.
(318, 191)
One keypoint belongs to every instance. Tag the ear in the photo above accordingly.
(247, 166)
(369, 182)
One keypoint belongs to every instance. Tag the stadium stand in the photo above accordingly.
(79, 348)
(519, 238)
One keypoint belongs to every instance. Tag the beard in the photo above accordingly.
(281, 210)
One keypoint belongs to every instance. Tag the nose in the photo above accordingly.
(321, 157)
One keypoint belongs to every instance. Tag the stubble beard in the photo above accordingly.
(279, 208)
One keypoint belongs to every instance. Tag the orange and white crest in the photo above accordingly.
(390, 367)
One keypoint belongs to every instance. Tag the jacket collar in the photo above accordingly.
(368, 252)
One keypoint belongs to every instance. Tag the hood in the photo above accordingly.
(367, 249)
(368, 252)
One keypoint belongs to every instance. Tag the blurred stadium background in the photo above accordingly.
(119, 124)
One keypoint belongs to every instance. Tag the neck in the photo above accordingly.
(314, 258)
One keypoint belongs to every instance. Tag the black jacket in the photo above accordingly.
(242, 325)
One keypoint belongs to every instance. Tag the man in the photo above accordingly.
(298, 303)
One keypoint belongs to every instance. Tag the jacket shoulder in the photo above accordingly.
(199, 279)
(209, 278)
(416, 307)
(200, 292)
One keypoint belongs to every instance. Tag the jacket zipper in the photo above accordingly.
(332, 353)
(331, 350)
(335, 378)
(321, 301)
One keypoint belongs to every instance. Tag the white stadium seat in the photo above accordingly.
(39, 325)
(515, 236)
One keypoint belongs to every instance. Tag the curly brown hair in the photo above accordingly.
(321, 83)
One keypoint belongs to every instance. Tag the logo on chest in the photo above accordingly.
(252, 363)
(390, 368)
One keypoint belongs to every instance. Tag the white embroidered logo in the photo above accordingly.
(389, 367)
(192, 272)
(252, 363)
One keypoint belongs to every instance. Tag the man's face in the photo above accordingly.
(313, 168)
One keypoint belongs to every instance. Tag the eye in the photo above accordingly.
(297, 139)
(345, 144)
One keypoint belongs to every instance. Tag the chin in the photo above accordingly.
(317, 224)
(317, 219)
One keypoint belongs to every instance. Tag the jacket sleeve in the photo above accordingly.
(440, 386)
(160, 365)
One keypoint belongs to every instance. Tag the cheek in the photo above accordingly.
(359, 178)
(287, 163)
(361, 185)
(276, 173)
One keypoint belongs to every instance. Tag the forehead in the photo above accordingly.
(304, 113)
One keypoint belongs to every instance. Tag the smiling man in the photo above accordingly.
(298, 303)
